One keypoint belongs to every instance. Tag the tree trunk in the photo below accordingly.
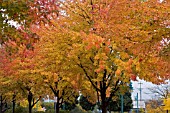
(104, 110)
(13, 108)
(30, 108)
(56, 107)
(13, 103)
(104, 104)
(1, 103)
(30, 97)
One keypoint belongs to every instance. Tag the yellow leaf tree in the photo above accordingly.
(117, 40)
(17, 77)
(53, 67)
(110, 41)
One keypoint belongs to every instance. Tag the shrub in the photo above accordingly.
(39, 112)
(78, 109)
(64, 111)
(48, 105)
(18, 109)
(50, 111)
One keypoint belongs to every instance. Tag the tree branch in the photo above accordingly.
(89, 77)
(116, 88)
(35, 102)
(54, 91)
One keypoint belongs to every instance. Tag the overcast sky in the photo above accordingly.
(146, 94)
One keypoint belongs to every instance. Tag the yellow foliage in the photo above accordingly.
(37, 106)
(118, 72)
(24, 103)
(167, 104)
(124, 55)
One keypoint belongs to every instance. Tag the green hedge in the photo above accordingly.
(48, 105)
(52, 111)
(39, 112)
(18, 109)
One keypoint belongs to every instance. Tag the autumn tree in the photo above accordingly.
(11, 11)
(163, 91)
(119, 39)
(18, 17)
(25, 14)
(16, 68)
(111, 42)
(53, 66)
(154, 106)
(7, 86)
(30, 84)
(91, 61)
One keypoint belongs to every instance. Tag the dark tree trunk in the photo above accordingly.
(13, 103)
(104, 104)
(30, 97)
(1, 103)
(103, 93)
(56, 105)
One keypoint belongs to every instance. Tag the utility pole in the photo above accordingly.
(121, 103)
(137, 103)
(140, 89)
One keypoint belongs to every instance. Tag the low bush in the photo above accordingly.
(48, 105)
(39, 112)
(78, 109)
(18, 109)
